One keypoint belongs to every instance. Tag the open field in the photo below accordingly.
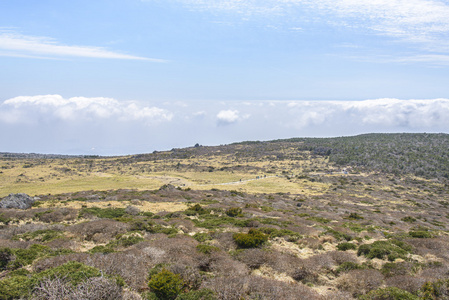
(303, 230)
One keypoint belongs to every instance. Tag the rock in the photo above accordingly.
(132, 210)
(19, 201)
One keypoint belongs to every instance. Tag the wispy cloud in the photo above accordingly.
(19, 45)
(422, 22)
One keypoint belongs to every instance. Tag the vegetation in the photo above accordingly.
(342, 218)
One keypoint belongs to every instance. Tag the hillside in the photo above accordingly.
(251, 220)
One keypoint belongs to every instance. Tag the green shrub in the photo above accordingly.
(408, 219)
(355, 216)
(346, 246)
(19, 286)
(6, 256)
(44, 235)
(75, 272)
(202, 237)
(206, 249)
(254, 238)
(389, 293)
(15, 287)
(420, 234)
(290, 236)
(196, 210)
(4, 220)
(319, 219)
(234, 211)
(102, 249)
(166, 285)
(348, 266)
(391, 249)
(435, 290)
(203, 294)
(129, 240)
(108, 213)
(339, 235)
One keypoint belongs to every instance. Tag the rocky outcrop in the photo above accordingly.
(19, 201)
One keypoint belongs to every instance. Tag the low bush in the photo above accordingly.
(435, 290)
(202, 294)
(6, 256)
(24, 257)
(202, 237)
(15, 287)
(388, 293)
(107, 213)
(289, 235)
(420, 234)
(166, 285)
(346, 246)
(234, 211)
(254, 238)
(408, 219)
(206, 249)
(348, 266)
(391, 249)
(354, 216)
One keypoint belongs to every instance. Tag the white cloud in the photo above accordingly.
(34, 109)
(226, 117)
(18, 45)
(114, 127)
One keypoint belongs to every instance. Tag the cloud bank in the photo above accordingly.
(54, 124)
(18, 45)
(49, 108)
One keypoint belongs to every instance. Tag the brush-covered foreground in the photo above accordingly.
(303, 230)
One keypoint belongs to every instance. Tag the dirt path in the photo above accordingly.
(240, 181)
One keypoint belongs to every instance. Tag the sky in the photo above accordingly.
(112, 77)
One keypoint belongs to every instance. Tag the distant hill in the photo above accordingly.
(421, 154)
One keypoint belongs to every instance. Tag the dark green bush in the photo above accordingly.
(346, 246)
(391, 249)
(408, 219)
(196, 210)
(44, 235)
(389, 293)
(435, 290)
(203, 294)
(4, 220)
(234, 211)
(75, 272)
(420, 234)
(102, 249)
(6, 256)
(108, 213)
(202, 237)
(348, 266)
(355, 216)
(166, 285)
(19, 286)
(14, 287)
(206, 249)
(290, 236)
(254, 238)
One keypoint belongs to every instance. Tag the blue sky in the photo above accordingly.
(130, 76)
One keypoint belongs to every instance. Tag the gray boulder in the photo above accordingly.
(20, 201)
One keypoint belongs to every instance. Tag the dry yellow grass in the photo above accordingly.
(153, 207)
